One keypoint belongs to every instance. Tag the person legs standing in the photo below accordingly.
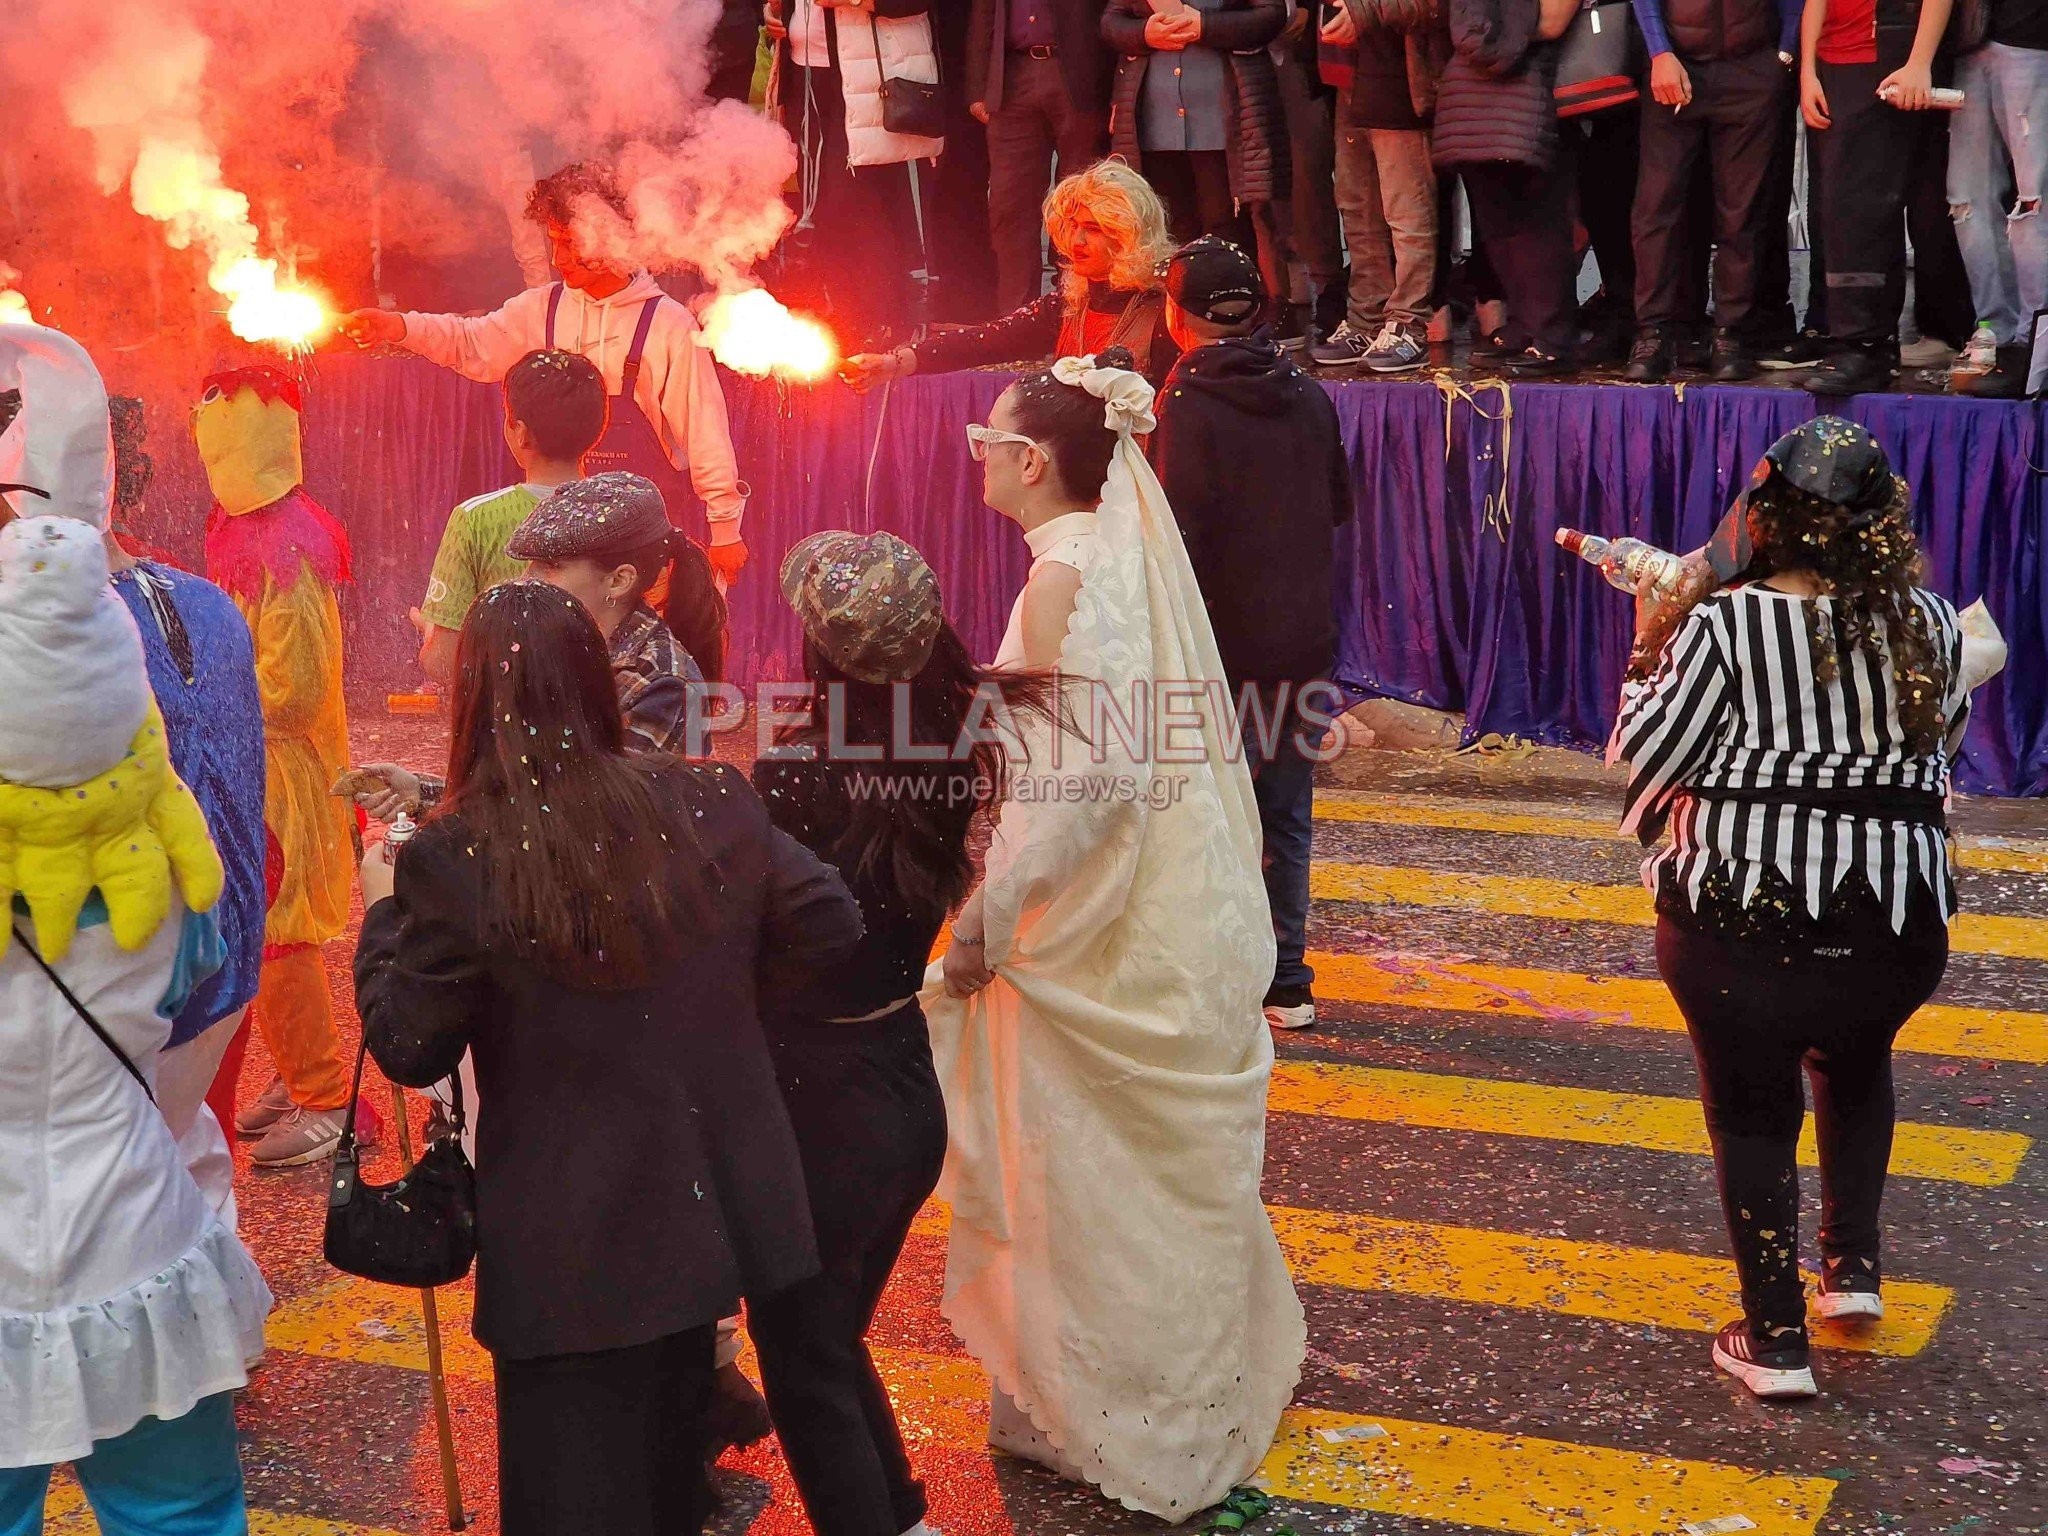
(1386, 190)
(1867, 153)
(1673, 143)
(164, 1477)
(1522, 216)
(1832, 1000)
(1284, 787)
(294, 1015)
(1941, 283)
(1606, 151)
(1996, 163)
(870, 1122)
(609, 1440)
(1310, 217)
(1036, 122)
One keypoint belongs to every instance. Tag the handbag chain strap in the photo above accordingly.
(85, 1013)
(347, 1146)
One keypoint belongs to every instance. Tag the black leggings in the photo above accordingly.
(871, 1125)
(1833, 1000)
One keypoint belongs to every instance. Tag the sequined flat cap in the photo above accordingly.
(1833, 459)
(612, 514)
(868, 601)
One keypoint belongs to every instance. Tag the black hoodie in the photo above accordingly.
(1254, 467)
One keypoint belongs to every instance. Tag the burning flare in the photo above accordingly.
(259, 310)
(750, 331)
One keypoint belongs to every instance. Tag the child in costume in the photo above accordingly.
(280, 556)
(204, 679)
(129, 1312)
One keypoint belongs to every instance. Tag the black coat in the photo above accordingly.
(1084, 61)
(1254, 466)
(1496, 103)
(1257, 146)
(636, 1173)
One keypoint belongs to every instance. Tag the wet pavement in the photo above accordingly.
(1491, 1179)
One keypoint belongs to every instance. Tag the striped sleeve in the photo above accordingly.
(1670, 722)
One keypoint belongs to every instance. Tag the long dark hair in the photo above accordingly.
(1870, 565)
(577, 838)
(694, 609)
(915, 840)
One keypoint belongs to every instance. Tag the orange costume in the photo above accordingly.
(280, 556)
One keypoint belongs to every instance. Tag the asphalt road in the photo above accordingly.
(1490, 1175)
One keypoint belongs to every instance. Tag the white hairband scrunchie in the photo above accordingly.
(1126, 397)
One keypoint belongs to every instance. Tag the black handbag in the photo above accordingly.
(418, 1232)
(1597, 67)
(910, 107)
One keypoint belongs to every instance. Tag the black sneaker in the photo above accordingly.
(1781, 1368)
(1533, 362)
(1865, 370)
(1290, 1008)
(1849, 1288)
(1732, 361)
(1802, 351)
(1493, 348)
(1651, 359)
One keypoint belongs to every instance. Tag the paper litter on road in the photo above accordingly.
(1353, 1432)
(1720, 1525)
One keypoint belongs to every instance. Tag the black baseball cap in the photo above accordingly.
(1215, 281)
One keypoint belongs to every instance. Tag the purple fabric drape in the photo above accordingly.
(1450, 590)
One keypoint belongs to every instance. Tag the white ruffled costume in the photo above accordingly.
(122, 1294)
(1111, 1262)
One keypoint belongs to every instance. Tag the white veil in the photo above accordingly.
(1111, 1263)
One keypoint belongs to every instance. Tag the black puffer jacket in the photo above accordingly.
(1496, 102)
(1260, 169)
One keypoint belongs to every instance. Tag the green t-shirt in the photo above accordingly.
(472, 556)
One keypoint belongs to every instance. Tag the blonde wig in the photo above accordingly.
(1120, 200)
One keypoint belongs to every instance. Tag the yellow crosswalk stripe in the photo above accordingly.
(1495, 1482)
(67, 1514)
(1607, 1281)
(1611, 1282)
(1423, 982)
(1953, 1153)
(1525, 1485)
(1977, 933)
(2010, 855)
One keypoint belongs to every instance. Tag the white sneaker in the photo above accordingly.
(1927, 352)
(1980, 356)
(1300, 1016)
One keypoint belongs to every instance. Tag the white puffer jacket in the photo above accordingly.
(907, 53)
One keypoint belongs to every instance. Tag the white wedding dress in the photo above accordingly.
(1111, 1262)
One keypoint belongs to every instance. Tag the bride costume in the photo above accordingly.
(1111, 1263)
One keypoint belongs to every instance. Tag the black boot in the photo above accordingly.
(1652, 358)
(1733, 361)
(1851, 369)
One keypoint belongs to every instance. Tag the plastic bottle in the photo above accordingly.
(1624, 562)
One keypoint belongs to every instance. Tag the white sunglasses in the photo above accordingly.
(980, 439)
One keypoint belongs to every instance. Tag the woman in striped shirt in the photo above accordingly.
(1796, 736)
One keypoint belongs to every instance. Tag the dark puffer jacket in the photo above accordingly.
(1260, 169)
(1496, 102)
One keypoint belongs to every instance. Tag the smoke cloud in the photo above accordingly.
(273, 140)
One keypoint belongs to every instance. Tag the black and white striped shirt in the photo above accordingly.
(1734, 707)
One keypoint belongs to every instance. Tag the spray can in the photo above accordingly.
(399, 833)
(1625, 562)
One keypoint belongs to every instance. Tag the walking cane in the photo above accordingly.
(437, 1377)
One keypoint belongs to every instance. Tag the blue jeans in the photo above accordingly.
(165, 1477)
(1284, 785)
(1996, 164)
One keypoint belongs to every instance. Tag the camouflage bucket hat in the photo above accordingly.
(867, 601)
